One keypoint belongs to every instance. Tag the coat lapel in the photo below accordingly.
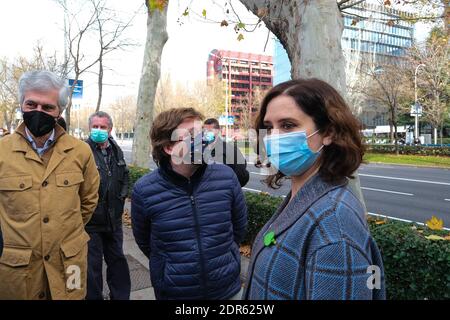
(21, 145)
(312, 191)
(62, 145)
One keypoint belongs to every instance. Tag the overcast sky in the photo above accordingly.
(25, 22)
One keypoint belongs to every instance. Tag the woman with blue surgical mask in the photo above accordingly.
(317, 245)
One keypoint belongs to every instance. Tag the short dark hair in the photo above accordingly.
(162, 128)
(212, 121)
(333, 118)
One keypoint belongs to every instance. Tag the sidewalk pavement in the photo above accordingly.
(141, 287)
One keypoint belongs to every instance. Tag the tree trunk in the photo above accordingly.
(151, 72)
(310, 31)
(100, 81)
(7, 120)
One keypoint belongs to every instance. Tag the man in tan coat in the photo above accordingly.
(48, 192)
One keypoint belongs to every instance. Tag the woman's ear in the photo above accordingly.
(327, 140)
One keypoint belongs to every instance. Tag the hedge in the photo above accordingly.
(416, 268)
(135, 174)
(409, 150)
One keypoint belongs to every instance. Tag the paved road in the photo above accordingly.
(403, 192)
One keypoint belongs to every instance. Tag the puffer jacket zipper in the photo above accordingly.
(199, 242)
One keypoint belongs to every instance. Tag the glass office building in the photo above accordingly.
(381, 36)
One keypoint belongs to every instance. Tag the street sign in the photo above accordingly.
(416, 109)
(77, 90)
(223, 120)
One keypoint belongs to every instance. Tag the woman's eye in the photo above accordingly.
(287, 126)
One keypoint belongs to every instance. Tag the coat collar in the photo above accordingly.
(290, 212)
(63, 143)
(168, 173)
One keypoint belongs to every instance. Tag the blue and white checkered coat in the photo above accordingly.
(323, 249)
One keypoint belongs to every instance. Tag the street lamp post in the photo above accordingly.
(416, 126)
(226, 108)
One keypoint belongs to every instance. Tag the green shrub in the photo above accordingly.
(416, 268)
(260, 206)
(135, 174)
(409, 150)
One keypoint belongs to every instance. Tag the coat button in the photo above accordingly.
(22, 186)
(44, 184)
(41, 295)
(46, 220)
(47, 257)
(66, 182)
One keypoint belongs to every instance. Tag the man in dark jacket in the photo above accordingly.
(223, 152)
(105, 227)
(188, 217)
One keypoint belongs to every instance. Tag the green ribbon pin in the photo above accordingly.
(269, 239)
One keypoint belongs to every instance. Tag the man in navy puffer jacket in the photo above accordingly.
(188, 217)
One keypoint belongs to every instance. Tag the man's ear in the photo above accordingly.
(168, 149)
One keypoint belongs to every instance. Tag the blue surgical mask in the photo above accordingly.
(198, 146)
(99, 135)
(209, 137)
(290, 153)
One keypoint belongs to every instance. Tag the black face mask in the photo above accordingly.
(39, 123)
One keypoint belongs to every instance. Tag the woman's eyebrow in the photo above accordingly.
(287, 120)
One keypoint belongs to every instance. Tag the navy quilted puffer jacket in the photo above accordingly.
(190, 230)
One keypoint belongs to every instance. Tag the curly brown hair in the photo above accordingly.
(332, 117)
(162, 128)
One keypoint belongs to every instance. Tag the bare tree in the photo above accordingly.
(123, 111)
(433, 78)
(110, 32)
(92, 20)
(391, 87)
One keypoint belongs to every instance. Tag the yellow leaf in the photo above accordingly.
(186, 12)
(378, 222)
(204, 13)
(435, 223)
(157, 4)
(240, 37)
(434, 237)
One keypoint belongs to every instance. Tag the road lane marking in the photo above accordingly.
(258, 173)
(404, 179)
(370, 213)
(252, 190)
(399, 219)
(387, 191)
